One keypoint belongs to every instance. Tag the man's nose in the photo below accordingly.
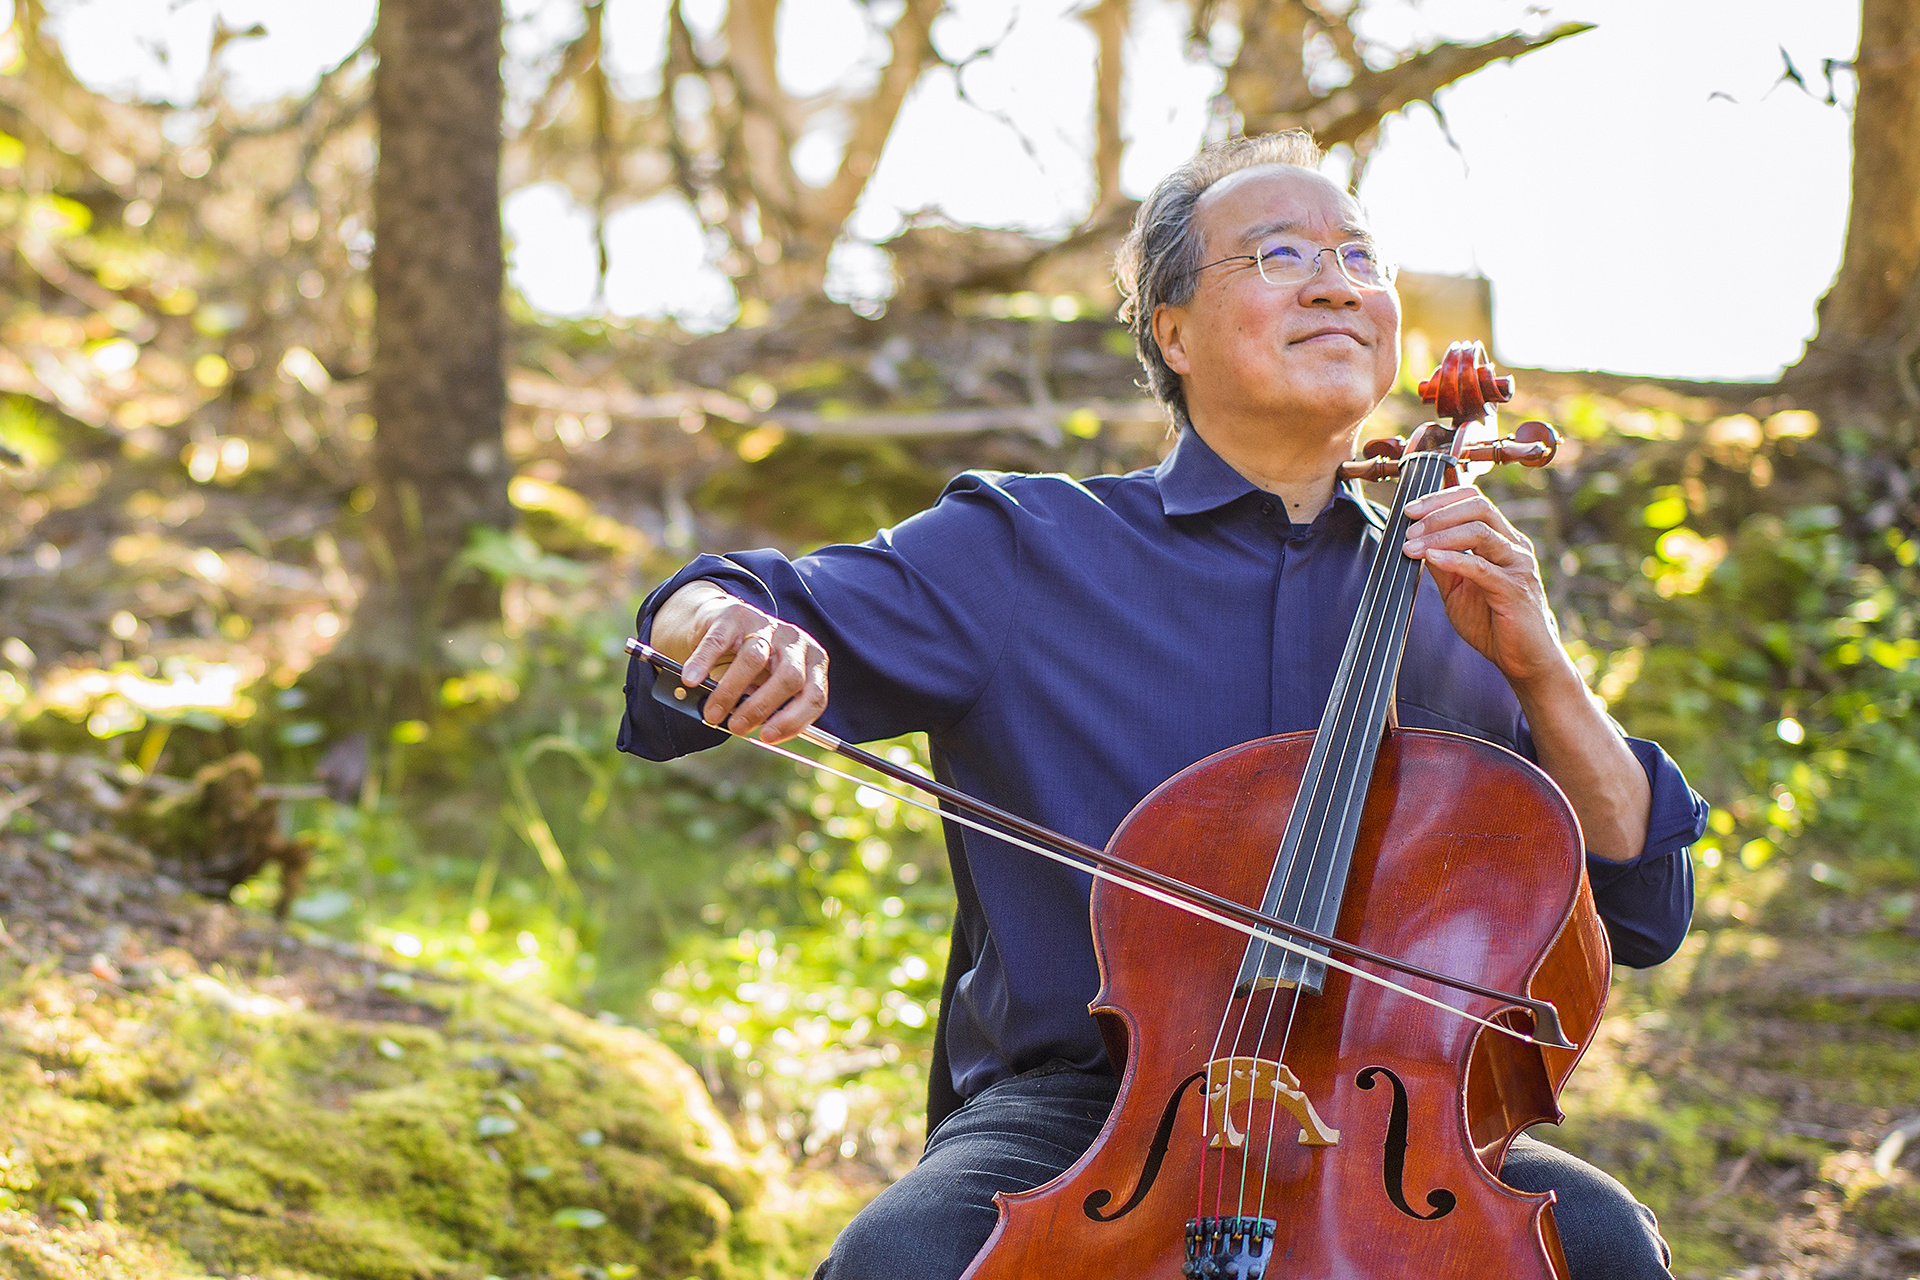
(1329, 285)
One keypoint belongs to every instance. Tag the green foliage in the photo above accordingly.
(818, 489)
(814, 1001)
(785, 931)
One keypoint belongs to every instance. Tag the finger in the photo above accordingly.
(1463, 504)
(785, 678)
(793, 657)
(1459, 564)
(800, 711)
(719, 641)
(1439, 498)
(750, 659)
(1482, 540)
(1501, 587)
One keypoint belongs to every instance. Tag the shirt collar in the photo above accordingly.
(1193, 478)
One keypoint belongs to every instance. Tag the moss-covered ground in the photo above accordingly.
(289, 1111)
(1744, 1090)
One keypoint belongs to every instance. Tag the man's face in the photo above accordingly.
(1323, 350)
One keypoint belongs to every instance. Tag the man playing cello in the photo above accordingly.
(1069, 645)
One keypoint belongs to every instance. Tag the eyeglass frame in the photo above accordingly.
(1389, 270)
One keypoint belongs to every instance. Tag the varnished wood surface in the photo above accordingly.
(1469, 861)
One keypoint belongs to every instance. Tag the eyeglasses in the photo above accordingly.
(1283, 260)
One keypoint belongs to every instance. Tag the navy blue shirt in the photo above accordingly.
(1067, 645)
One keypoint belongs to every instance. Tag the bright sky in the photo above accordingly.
(1645, 197)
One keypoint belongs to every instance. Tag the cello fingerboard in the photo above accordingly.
(1310, 873)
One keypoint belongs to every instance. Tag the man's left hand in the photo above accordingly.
(1490, 580)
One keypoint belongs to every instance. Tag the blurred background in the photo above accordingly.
(362, 366)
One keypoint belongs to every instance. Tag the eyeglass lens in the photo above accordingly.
(1288, 261)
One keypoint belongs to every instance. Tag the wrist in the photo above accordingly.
(1553, 689)
(712, 601)
(685, 616)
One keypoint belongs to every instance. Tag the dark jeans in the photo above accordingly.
(1022, 1132)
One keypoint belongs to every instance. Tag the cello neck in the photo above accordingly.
(1309, 876)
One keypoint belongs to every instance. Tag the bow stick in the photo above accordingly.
(673, 692)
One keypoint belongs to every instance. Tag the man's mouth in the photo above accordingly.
(1318, 334)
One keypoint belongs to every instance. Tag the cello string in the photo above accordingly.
(1401, 608)
(1300, 847)
(1147, 891)
(1363, 712)
(1320, 796)
(1367, 708)
(1273, 1113)
(1388, 607)
(1353, 709)
(1316, 798)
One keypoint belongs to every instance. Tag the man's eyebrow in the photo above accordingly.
(1350, 230)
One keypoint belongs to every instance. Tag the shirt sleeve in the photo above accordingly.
(1647, 904)
(913, 621)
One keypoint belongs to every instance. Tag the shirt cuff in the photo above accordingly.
(1676, 815)
(647, 729)
(1647, 903)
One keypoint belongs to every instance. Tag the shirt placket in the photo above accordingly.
(1286, 617)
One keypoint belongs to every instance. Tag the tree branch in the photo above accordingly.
(1349, 112)
(912, 43)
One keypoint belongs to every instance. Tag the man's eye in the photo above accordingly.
(1281, 251)
(1359, 255)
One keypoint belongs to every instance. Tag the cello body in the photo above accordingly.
(1468, 860)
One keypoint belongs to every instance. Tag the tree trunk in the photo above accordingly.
(1861, 372)
(439, 390)
(1108, 20)
(1867, 350)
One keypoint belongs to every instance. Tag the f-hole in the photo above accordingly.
(1155, 1154)
(1394, 1153)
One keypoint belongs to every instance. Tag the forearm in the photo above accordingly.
(1581, 750)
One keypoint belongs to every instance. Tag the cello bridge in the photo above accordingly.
(1233, 1084)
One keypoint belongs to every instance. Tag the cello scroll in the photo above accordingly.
(1463, 389)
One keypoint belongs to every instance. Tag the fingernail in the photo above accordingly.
(1415, 546)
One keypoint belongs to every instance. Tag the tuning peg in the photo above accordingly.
(1386, 447)
(1375, 468)
(1539, 433)
(1533, 445)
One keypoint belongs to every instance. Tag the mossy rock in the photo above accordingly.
(209, 1125)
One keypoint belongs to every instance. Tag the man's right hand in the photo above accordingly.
(771, 675)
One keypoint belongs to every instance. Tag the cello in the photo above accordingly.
(1283, 1110)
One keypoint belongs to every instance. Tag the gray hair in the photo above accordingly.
(1158, 262)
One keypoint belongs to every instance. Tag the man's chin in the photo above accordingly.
(1339, 391)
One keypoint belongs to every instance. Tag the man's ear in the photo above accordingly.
(1169, 335)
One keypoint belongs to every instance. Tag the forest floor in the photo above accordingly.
(190, 1089)
(1747, 1091)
